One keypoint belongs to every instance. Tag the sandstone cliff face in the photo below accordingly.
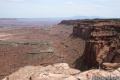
(60, 71)
(102, 38)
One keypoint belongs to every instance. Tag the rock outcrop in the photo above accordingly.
(102, 38)
(59, 71)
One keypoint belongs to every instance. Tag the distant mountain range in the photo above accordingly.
(78, 17)
(85, 17)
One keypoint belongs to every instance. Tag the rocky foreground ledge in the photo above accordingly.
(61, 71)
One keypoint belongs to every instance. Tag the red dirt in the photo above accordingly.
(66, 48)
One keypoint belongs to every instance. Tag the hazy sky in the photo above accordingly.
(58, 8)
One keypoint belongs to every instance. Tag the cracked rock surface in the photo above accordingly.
(59, 71)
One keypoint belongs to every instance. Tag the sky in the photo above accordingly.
(59, 8)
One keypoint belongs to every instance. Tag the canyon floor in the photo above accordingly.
(35, 46)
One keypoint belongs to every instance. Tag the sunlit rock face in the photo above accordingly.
(102, 38)
(59, 71)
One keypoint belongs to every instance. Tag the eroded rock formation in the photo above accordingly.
(102, 42)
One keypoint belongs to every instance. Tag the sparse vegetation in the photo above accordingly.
(35, 46)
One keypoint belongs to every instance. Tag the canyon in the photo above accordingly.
(102, 39)
(83, 44)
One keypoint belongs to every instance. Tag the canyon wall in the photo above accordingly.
(102, 38)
